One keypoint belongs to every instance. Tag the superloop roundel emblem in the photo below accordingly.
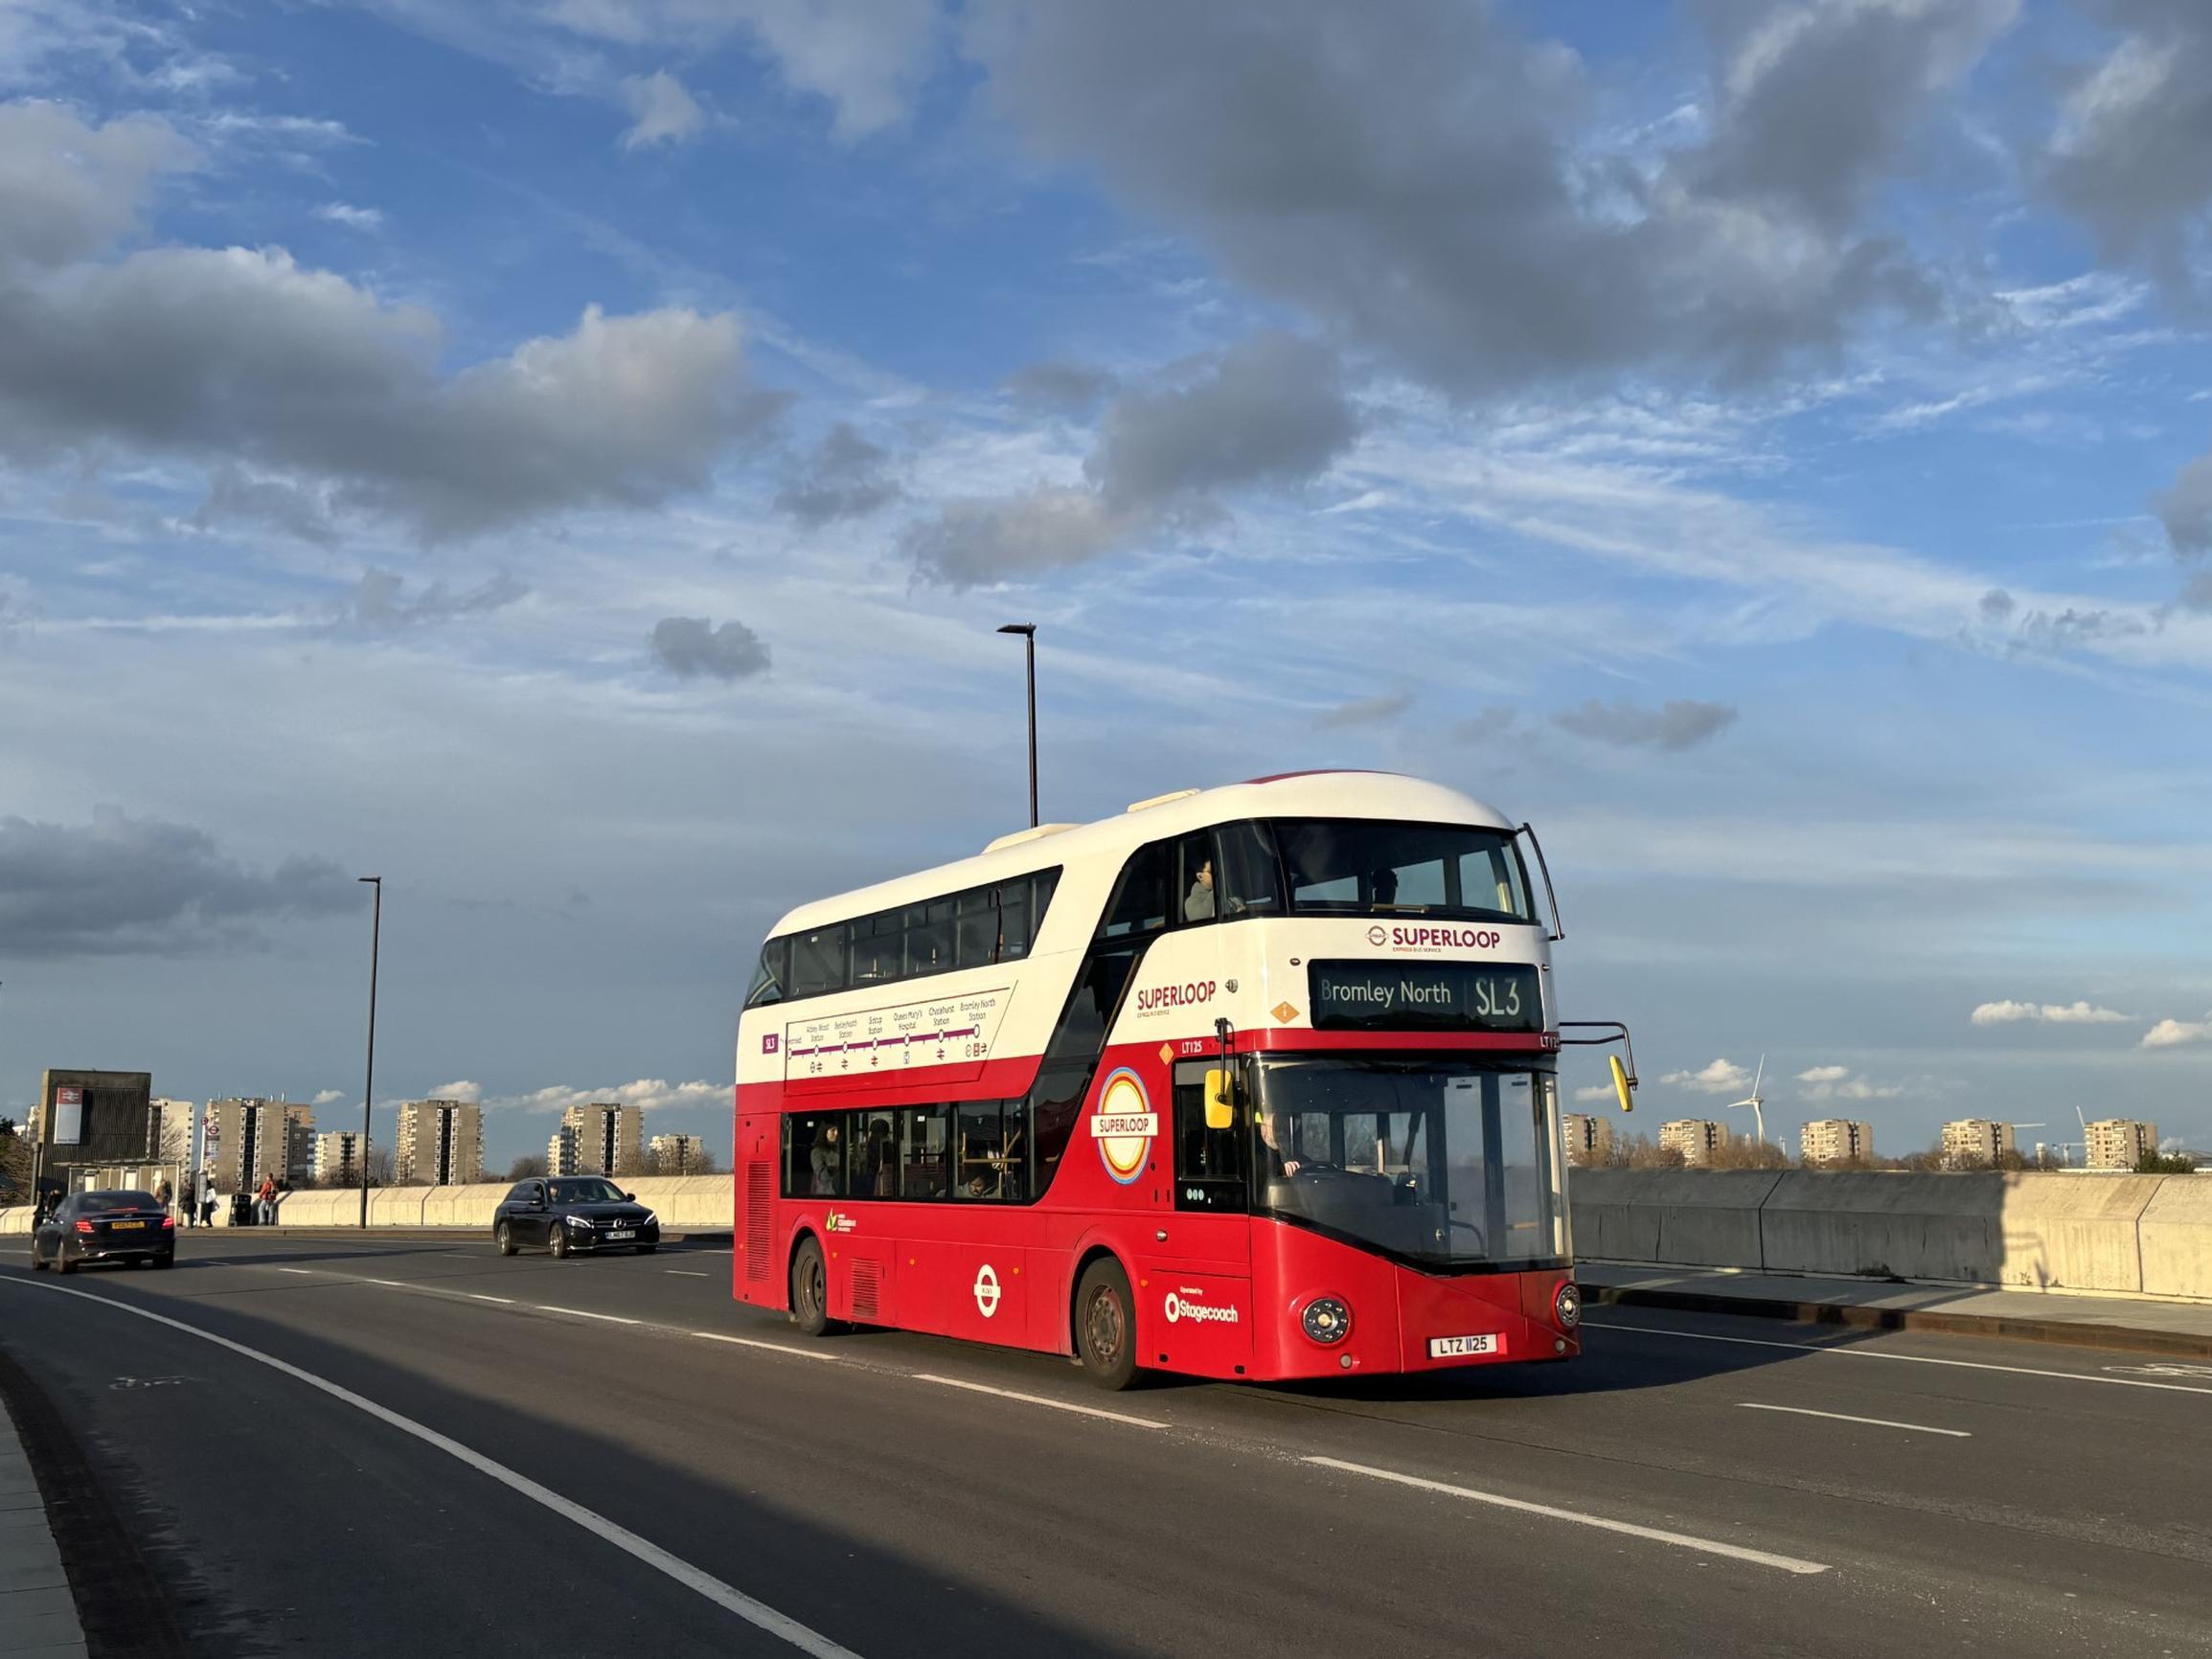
(1124, 1126)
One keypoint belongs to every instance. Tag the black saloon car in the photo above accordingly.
(571, 1213)
(118, 1226)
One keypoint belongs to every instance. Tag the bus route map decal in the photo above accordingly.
(1124, 1126)
(945, 1031)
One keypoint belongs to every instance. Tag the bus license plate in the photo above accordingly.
(126, 1226)
(621, 1233)
(1450, 1346)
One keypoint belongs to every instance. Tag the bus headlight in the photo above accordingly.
(1568, 1306)
(1326, 1320)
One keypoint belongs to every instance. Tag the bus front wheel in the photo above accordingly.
(1105, 1325)
(810, 1289)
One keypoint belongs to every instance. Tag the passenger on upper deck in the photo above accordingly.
(1198, 903)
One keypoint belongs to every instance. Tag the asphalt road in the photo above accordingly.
(457, 1454)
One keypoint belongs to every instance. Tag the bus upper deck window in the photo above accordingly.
(768, 978)
(1249, 876)
(818, 961)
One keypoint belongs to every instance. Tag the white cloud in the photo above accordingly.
(2170, 1034)
(1824, 1075)
(1595, 1092)
(330, 1097)
(652, 1094)
(353, 218)
(1839, 1083)
(666, 113)
(463, 1090)
(2048, 1012)
(1723, 1076)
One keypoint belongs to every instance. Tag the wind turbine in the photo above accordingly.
(1755, 1102)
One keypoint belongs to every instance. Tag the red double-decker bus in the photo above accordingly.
(1256, 1081)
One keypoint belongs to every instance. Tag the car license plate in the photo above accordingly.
(126, 1226)
(621, 1233)
(1452, 1347)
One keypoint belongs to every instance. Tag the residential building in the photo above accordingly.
(338, 1158)
(248, 1136)
(1590, 1138)
(609, 1138)
(679, 1154)
(2117, 1143)
(564, 1152)
(1696, 1139)
(1836, 1141)
(439, 1144)
(170, 1131)
(1975, 1141)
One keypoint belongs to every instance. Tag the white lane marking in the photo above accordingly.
(584, 1313)
(771, 1346)
(1681, 1540)
(479, 1296)
(1042, 1399)
(1846, 1416)
(758, 1614)
(302, 1272)
(1908, 1359)
(683, 1273)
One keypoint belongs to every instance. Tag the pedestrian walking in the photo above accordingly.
(266, 1211)
(206, 1206)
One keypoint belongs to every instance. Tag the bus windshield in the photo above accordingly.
(1362, 867)
(1440, 1162)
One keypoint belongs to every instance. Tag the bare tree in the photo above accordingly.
(528, 1166)
(638, 1163)
(702, 1162)
(14, 1160)
(1740, 1153)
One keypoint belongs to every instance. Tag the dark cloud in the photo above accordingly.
(1059, 385)
(845, 477)
(2071, 629)
(2196, 593)
(69, 190)
(1424, 178)
(122, 885)
(2185, 507)
(1678, 724)
(241, 359)
(1365, 712)
(378, 601)
(1997, 605)
(1489, 725)
(2131, 155)
(689, 646)
(1272, 409)
(234, 498)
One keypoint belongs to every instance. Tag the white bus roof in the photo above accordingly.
(1380, 795)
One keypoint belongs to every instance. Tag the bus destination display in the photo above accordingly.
(1439, 997)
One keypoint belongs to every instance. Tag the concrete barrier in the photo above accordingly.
(2077, 1232)
(15, 1219)
(1691, 1217)
(2174, 1234)
(1886, 1225)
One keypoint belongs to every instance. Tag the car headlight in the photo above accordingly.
(579, 1220)
(1568, 1306)
(650, 1220)
(1326, 1320)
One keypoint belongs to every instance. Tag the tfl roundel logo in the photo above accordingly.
(1124, 1126)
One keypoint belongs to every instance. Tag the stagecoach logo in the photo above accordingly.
(1180, 1307)
(986, 1290)
(1124, 1126)
(837, 1221)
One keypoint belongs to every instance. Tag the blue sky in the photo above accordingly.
(569, 457)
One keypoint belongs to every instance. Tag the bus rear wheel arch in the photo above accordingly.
(1105, 1323)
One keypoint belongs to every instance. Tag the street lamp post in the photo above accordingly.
(369, 1083)
(1028, 631)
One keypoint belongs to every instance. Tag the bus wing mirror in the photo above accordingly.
(1220, 1102)
(1624, 1085)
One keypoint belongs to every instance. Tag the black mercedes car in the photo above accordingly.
(571, 1213)
(119, 1226)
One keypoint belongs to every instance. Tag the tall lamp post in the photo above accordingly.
(369, 1083)
(1028, 631)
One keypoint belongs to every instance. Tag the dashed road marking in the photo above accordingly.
(1042, 1399)
(583, 1314)
(1845, 1417)
(771, 1346)
(1681, 1540)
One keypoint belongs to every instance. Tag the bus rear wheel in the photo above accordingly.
(1105, 1325)
(810, 1289)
